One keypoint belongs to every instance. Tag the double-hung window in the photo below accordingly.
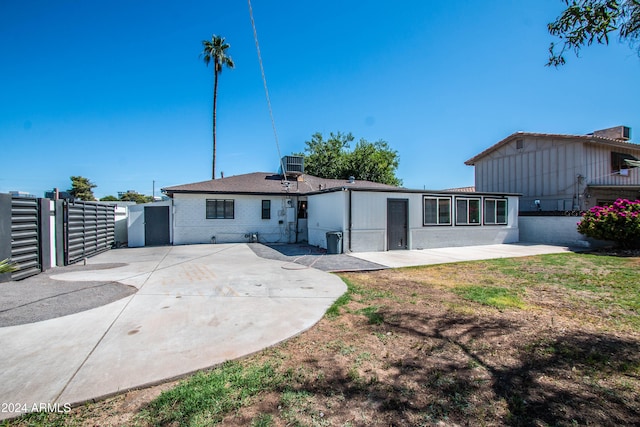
(437, 210)
(467, 211)
(220, 208)
(266, 209)
(495, 211)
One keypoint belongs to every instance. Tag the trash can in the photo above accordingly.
(334, 242)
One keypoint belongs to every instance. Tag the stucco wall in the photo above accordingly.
(121, 226)
(327, 212)
(192, 226)
(135, 226)
(369, 225)
(135, 222)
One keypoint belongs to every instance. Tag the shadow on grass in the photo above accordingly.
(559, 379)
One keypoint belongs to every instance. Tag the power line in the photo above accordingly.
(266, 90)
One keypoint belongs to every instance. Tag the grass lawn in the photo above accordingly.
(536, 341)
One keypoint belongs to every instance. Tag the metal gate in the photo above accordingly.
(25, 244)
(156, 225)
(89, 229)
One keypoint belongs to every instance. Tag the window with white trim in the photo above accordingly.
(495, 211)
(467, 211)
(220, 208)
(437, 210)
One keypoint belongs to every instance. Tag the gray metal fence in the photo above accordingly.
(89, 229)
(29, 235)
(25, 241)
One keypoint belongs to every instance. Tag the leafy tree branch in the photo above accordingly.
(584, 22)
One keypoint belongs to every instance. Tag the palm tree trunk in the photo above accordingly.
(215, 96)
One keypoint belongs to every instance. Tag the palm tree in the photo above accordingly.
(214, 49)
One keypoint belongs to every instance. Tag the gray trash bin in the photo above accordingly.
(334, 242)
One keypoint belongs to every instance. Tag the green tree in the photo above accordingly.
(327, 159)
(109, 199)
(214, 50)
(584, 22)
(82, 188)
(371, 161)
(132, 196)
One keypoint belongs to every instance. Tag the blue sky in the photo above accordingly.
(115, 90)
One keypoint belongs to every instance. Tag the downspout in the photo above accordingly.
(173, 220)
(296, 213)
(350, 219)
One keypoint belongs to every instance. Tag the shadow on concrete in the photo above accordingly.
(41, 297)
(306, 256)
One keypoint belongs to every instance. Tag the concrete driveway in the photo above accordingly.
(196, 306)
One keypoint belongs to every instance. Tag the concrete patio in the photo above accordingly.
(196, 306)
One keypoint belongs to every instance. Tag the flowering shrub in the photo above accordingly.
(619, 222)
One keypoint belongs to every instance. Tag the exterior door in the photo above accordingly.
(397, 221)
(156, 225)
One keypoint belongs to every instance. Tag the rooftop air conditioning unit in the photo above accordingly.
(293, 164)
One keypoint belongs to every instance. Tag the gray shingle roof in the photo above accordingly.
(270, 183)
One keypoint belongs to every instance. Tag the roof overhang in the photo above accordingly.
(615, 187)
(410, 191)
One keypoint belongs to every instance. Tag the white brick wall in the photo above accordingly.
(327, 212)
(192, 226)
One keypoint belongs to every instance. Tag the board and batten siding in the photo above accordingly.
(540, 167)
(598, 170)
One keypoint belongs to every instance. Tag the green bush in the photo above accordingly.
(619, 222)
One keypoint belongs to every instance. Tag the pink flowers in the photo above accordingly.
(618, 222)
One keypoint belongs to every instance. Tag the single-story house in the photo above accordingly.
(275, 208)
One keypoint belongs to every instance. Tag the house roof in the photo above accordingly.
(270, 183)
(597, 140)
(470, 189)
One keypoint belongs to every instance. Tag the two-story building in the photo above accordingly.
(555, 172)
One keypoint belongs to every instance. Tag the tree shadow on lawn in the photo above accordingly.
(461, 374)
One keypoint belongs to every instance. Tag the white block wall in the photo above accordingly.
(192, 226)
(555, 230)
